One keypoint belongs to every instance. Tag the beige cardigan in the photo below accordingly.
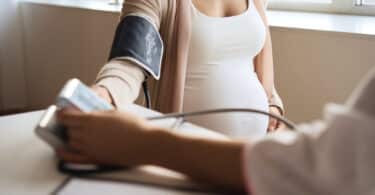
(123, 80)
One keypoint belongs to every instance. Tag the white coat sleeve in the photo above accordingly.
(336, 159)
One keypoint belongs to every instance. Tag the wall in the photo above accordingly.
(1, 83)
(311, 67)
(12, 75)
(317, 67)
(62, 43)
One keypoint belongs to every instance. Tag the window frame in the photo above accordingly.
(337, 6)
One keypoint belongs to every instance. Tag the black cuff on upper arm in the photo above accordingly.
(138, 41)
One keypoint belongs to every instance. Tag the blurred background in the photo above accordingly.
(322, 48)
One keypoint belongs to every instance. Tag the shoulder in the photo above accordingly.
(150, 9)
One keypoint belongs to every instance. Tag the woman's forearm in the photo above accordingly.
(209, 161)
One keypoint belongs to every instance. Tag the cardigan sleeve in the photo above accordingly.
(123, 77)
(150, 9)
(123, 81)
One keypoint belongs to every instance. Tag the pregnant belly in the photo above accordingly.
(223, 89)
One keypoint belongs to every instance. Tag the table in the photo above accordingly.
(28, 165)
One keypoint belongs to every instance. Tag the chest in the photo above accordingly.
(226, 38)
(221, 8)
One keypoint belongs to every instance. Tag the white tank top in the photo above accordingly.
(220, 72)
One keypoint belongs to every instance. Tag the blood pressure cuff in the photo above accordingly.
(138, 41)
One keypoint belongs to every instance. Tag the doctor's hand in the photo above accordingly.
(108, 138)
(103, 93)
(274, 124)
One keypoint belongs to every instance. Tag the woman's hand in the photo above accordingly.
(103, 93)
(274, 124)
(110, 138)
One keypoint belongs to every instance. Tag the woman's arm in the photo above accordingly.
(122, 139)
(264, 67)
(119, 81)
(264, 60)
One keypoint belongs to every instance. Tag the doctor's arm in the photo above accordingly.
(334, 157)
(116, 138)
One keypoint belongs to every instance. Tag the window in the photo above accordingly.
(369, 2)
(303, 1)
(361, 7)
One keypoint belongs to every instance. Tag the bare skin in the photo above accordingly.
(263, 62)
(115, 138)
(103, 93)
(221, 8)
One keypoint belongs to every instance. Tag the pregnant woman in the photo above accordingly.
(208, 54)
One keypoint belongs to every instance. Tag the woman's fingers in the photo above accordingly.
(281, 126)
(272, 125)
(73, 157)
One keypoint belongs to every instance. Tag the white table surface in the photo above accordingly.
(28, 165)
